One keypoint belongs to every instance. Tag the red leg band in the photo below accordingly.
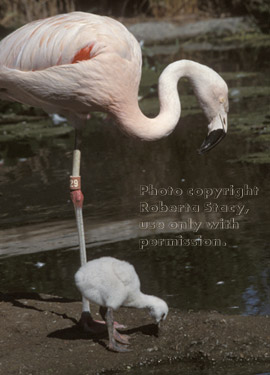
(77, 198)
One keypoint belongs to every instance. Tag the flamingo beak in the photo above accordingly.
(217, 131)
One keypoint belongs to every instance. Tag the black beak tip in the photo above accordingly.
(211, 140)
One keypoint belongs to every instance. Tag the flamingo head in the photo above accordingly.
(214, 101)
(159, 310)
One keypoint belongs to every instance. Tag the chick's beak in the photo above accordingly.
(217, 131)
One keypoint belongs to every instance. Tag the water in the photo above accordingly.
(38, 236)
(202, 369)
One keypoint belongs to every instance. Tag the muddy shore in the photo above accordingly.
(40, 335)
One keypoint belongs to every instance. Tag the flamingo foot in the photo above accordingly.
(122, 339)
(88, 324)
(119, 326)
(118, 348)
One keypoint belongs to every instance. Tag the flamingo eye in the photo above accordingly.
(221, 100)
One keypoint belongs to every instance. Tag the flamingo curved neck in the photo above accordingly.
(142, 301)
(134, 122)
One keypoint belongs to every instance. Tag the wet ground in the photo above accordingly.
(187, 342)
(38, 251)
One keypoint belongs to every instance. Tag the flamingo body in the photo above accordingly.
(110, 282)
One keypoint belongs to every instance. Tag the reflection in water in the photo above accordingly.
(257, 295)
(233, 277)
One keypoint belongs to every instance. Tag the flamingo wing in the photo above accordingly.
(65, 39)
(125, 273)
(71, 64)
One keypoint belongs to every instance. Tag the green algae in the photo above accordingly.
(263, 138)
(254, 158)
(246, 92)
(232, 76)
(189, 105)
(35, 129)
(255, 122)
(241, 40)
(252, 123)
(251, 40)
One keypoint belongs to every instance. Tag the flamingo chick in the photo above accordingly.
(112, 283)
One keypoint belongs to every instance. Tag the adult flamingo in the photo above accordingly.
(76, 63)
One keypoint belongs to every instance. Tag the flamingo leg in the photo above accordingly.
(102, 311)
(113, 345)
(86, 322)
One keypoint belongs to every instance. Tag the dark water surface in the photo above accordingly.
(192, 369)
(36, 214)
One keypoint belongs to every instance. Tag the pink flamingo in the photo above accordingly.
(76, 63)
